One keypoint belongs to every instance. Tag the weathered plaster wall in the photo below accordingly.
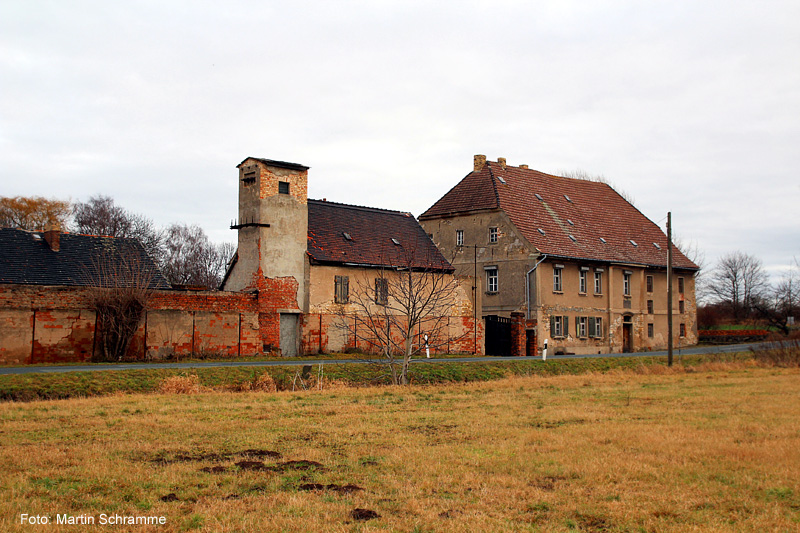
(613, 306)
(511, 254)
(328, 327)
(57, 324)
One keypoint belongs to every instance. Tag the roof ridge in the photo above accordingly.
(493, 179)
(361, 207)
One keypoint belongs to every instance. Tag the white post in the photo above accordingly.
(427, 348)
(544, 352)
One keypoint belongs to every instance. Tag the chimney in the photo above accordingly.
(479, 162)
(53, 238)
(523, 166)
(502, 161)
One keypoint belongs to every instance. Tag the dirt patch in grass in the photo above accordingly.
(251, 465)
(363, 514)
(261, 453)
(171, 497)
(333, 487)
(301, 465)
(164, 458)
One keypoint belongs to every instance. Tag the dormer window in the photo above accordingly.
(283, 187)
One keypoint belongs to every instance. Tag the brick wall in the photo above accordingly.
(57, 324)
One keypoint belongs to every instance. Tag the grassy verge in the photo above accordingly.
(629, 450)
(28, 387)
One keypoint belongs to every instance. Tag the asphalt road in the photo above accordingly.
(417, 360)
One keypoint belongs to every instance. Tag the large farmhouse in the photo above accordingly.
(575, 262)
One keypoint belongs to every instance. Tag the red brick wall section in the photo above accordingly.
(56, 324)
(518, 347)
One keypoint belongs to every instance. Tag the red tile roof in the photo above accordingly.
(371, 232)
(576, 215)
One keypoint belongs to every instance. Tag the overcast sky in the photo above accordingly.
(687, 106)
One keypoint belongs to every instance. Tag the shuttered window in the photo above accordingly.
(381, 291)
(341, 289)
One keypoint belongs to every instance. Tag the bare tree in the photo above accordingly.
(581, 174)
(101, 216)
(33, 213)
(388, 308)
(738, 281)
(121, 282)
(696, 255)
(191, 259)
(781, 305)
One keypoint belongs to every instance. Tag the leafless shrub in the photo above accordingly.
(390, 308)
(121, 282)
(181, 385)
(784, 353)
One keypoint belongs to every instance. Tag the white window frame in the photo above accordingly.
(558, 326)
(626, 284)
(580, 327)
(582, 282)
(598, 282)
(459, 237)
(492, 279)
(558, 279)
(493, 235)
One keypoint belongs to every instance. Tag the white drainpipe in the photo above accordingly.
(528, 282)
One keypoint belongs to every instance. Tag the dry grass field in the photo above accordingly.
(709, 449)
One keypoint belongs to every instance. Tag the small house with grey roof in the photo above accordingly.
(583, 267)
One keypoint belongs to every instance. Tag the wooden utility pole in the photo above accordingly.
(475, 301)
(669, 288)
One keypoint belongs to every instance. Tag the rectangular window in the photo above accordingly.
(650, 331)
(582, 282)
(559, 325)
(459, 237)
(381, 291)
(649, 307)
(341, 289)
(649, 283)
(283, 187)
(626, 284)
(683, 330)
(557, 279)
(491, 279)
(681, 306)
(680, 285)
(580, 326)
(249, 179)
(595, 327)
(598, 282)
(492, 234)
